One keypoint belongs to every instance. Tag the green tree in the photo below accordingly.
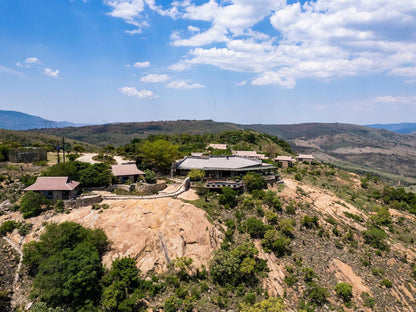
(8, 227)
(375, 237)
(344, 291)
(69, 277)
(254, 181)
(256, 228)
(196, 174)
(267, 305)
(31, 204)
(123, 289)
(158, 155)
(272, 201)
(228, 196)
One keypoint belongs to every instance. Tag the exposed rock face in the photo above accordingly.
(154, 232)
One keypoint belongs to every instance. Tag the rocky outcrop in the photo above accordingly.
(154, 232)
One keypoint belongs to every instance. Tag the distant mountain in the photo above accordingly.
(12, 120)
(404, 127)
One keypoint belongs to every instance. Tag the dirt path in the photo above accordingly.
(87, 157)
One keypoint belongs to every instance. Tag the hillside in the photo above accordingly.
(122, 133)
(38, 138)
(359, 148)
(382, 152)
(13, 120)
(322, 227)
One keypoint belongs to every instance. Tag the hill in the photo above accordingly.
(320, 241)
(359, 148)
(122, 133)
(36, 138)
(13, 120)
(404, 128)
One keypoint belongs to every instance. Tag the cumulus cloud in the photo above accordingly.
(181, 84)
(321, 39)
(49, 72)
(241, 83)
(155, 78)
(142, 64)
(29, 62)
(131, 91)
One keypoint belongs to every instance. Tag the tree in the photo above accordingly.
(344, 291)
(66, 264)
(196, 174)
(267, 305)
(256, 228)
(31, 204)
(158, 155)
(228, 196)
(254, 181)
(375, 237)
(69, 277)
(123, 288)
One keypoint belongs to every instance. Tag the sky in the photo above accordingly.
(243, 61)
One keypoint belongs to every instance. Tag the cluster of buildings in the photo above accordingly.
(219, 171)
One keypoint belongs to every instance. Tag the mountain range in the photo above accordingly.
(12, 120)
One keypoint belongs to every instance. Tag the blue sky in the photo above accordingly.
(244, 61)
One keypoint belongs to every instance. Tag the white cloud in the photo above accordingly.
(32, 60)
(388, 99)
(134, 31)
(241, 83)
(29, 62)
(181, 84)
(141, 64)
(131, 91)
(128, 10)
(155, 78)
(193, 29)
(49, 72)
(320, 39)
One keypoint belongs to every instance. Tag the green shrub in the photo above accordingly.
(149, 176)
(310, 222)
(25, 228)
(344, 291)
(317, 294)
(386, 282)
(256, 228)
(375, 237)
(59, 206)
(368, 301)
(8, 227)
(31, 204)
(196, 174)
(254, 181)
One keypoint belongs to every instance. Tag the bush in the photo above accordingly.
(256, 228)
(254, 181)
(59, 206)
(31, 204)
(344, 291)
(310, 222)
(375, 237)
(149, 176)
(368, 301)
(386, 282)
(317, 294)
(196, 174)
(8, 227)
(228, 197)
(66, 264)
(278, 243)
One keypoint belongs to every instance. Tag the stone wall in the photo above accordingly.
(151, 188)
(83, 201)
